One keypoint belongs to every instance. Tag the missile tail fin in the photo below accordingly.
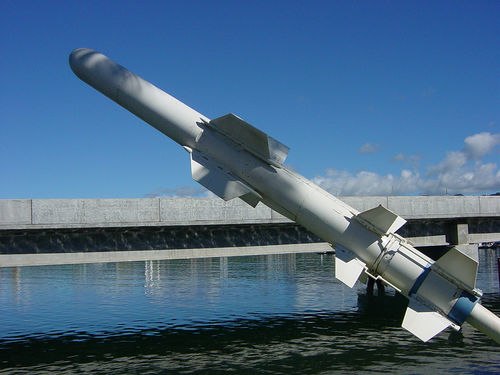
(423, 322)
(251, 138)
(381, 219)
(460, 266)
(219, 181)
(348, 268)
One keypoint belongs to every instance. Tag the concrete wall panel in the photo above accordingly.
(185, 211)
(489, 206)
(15, 211)
(434, 207)
(95, 211)
(192, 210)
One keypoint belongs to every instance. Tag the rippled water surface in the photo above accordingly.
(263, 314)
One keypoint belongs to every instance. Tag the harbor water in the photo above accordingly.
(271, 314)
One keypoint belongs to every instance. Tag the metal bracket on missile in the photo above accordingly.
(378, 277)
(349, 269)
(391, 245)
(251, 139)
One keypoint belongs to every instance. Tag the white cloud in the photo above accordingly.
(368, 183)
(459, 172)
(412, 160)
(454, 160)
(399, 157)
(368, 148)
(478, 145)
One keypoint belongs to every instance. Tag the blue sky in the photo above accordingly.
(372, 97)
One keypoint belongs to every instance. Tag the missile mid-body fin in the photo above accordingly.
(348, 268)
(219, 181)
(251, 139)
(381, 219)
(423, 322)
(459, 266)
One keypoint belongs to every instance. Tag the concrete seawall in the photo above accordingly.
(78, 213)
(57, 231)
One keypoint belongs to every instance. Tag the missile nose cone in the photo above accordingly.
(78, 57)
(95, 69)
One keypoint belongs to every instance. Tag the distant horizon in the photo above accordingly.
(214, 197)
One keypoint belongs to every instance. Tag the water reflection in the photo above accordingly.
(152, 276)
(268, 314)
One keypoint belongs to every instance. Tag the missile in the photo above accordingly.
(233, 159)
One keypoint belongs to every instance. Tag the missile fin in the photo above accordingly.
(251, 138)
(423, 322)
(216, 179)
(460, 266)
(382, 219)
(348, 268)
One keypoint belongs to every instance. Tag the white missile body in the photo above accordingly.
(233, 159)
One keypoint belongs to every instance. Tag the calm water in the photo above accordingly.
(265, 314)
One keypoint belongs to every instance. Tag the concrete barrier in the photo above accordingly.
(94, 211)
(15, 212)
(192, 211)
(74, 213)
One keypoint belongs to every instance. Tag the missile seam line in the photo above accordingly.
(420, 280)
(463, 307)
(390, 247)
